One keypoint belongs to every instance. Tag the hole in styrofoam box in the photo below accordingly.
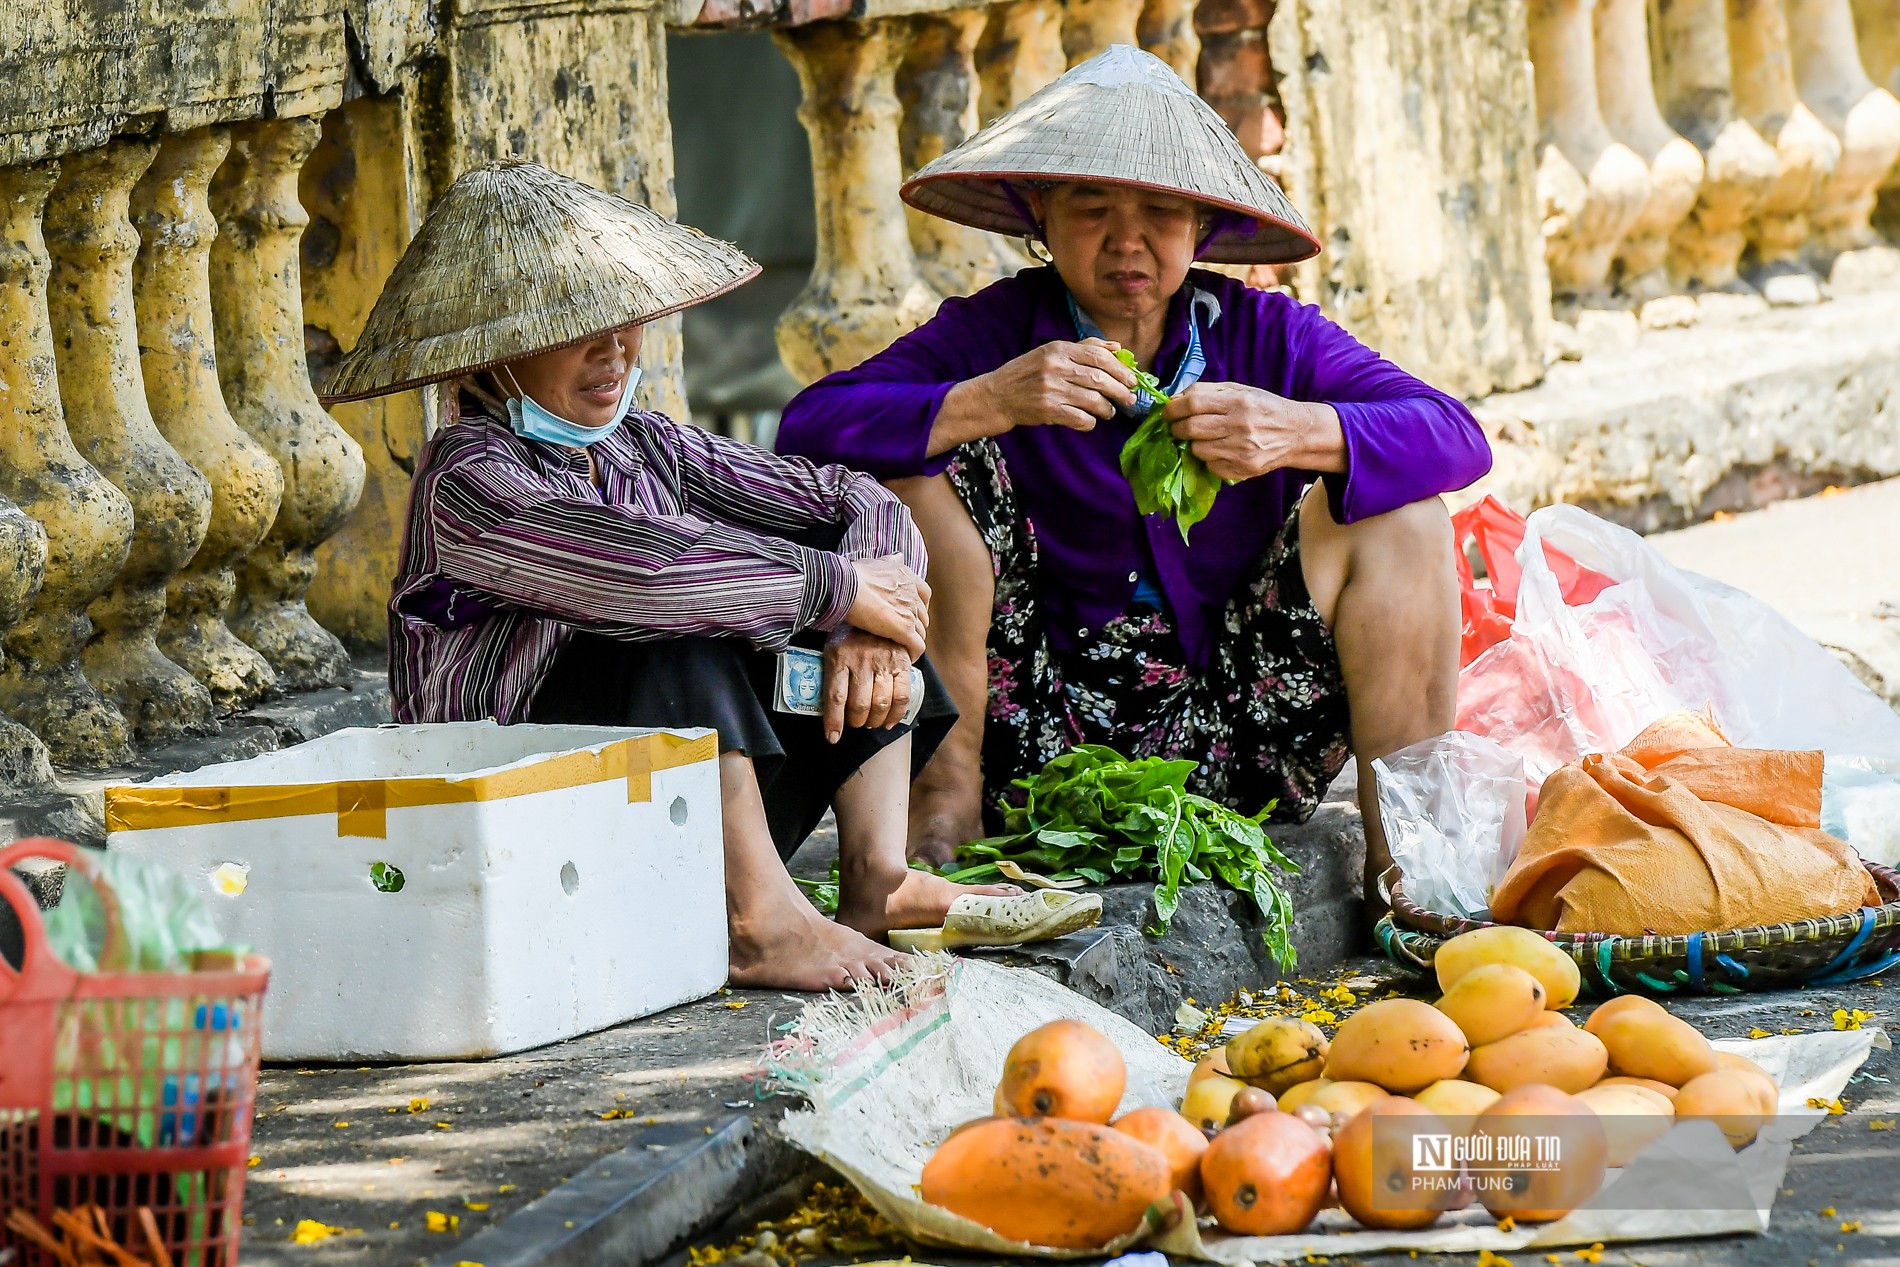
(230, 878)
(570, 879)
(386, 877)
(678, 811)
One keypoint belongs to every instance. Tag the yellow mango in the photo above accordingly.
(1278, 1053)
(1570, 1060)
(1209, 1101)
(1603, 1012)
(1403, 1045)
(1493, 1001)
(1557, 1019)
(1632, 1118)
(1503, 943)
(1729, 1099)
(1770, 1089)
(1302, 1093)
(1457, 1101)
(1646, 1044)
(1348, 1097)
(1662, 1089)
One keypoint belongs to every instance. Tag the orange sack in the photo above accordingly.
(1711, 839)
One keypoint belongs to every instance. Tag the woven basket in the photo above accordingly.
(1768, 957)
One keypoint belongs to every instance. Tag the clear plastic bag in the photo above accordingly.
(1571, 680)
(1453, 809)
(1860, 803)
(162, 919)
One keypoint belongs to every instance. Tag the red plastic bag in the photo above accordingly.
(1497, 531)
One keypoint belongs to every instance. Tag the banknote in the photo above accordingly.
(801, 685)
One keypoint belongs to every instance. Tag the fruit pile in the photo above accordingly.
(1280, 1123)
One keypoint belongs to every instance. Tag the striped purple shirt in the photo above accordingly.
(510, 548)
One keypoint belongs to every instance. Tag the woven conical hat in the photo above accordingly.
(515, 259)
(1124, 118)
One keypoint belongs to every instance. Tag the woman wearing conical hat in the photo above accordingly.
(1313, 611)
(571, 559)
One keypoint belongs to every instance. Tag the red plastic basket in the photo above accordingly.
(124, 1090)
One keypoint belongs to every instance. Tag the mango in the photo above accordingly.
(1770, 1089)
(1457, 1101)
(1209, 1101)
(1503, 943)
(1662, 1089)
(1347, 1097)
(1633, 1119)
(1293, 1097)
(1730, 1099)
(1603, 1012)
(1214, 1062)
(1518, 1124)
(1403, 1045)
(1654, 1044)
(1063, 1069)
(1570, 1060)
(1557, 1019)
(1493, 1001)
(1379, 1186)
(1278, 1053)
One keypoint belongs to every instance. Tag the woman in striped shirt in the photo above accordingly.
(571, 560)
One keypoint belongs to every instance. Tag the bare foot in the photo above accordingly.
(803, 950)
(876, 903)
(943, 815)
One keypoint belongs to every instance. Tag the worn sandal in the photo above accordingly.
(977, 920)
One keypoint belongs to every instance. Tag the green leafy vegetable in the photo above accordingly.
(1166, 476)
(1097, 815)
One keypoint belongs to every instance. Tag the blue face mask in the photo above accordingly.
(530, 421)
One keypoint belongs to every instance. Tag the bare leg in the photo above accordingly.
(877, 889)
(1387, 589)
(946, 807)
(778, 938)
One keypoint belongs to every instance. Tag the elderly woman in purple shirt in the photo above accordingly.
(1312, 613)
(571, 560)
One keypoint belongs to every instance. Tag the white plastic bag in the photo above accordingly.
(1860, 803)
(1453, 809)
(1575, 680)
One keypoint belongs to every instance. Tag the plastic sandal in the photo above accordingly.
(976, 920)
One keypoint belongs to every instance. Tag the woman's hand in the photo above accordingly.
(1242, 432)
(867, 682)
(893, 603)
(1059, 384)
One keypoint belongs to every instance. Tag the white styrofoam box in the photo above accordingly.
(554, 880)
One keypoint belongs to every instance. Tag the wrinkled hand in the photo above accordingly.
(1060, 384)
(1242, 432)
(893, 602)
(867, 682)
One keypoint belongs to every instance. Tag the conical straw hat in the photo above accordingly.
(1124, 118)
(515, 259)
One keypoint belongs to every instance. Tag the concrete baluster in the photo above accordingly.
(93, 243)
(88, 522)
(1766, 95)
(257, 308)
(937, 85)
(1090, 26)
(1877, 23)
(1021, 51)
(1166, 29)
(1692, 66)
(24, 766)
(865, 289)
(1592, 186)
(1864, 118)
(177, 357)
(1627, 94)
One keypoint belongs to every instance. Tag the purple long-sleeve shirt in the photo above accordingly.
(510, 547)
(1405, 441)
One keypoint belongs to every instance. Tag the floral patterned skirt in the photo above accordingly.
(1267, 719)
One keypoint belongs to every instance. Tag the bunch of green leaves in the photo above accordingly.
(1166, 476)
(1094, 814)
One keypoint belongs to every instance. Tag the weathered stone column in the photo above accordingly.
(1235, 73)
(1021, 51)
(257, 307)
(1166, 29)
(178, 359)
(93, 243)
(937, 85)
(1692, 77)
(1808, 152)
(24, 765)
(1628, 98)
(1090, 26)
(88, 522)
(865, 289)
(1593, 187)
(1864, 117)
(1877, 23)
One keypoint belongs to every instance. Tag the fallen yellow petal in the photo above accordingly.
(477, 1206)
(440, 1222)
(1879, 1124)
(1506, 1223)
(309, 1232)
(340, 1125)
(418, 1104)
(505, 1189)
(1828, 1213)
(1851, 1226)
(445, 1126)
(1759, 1032)
(253, 1162)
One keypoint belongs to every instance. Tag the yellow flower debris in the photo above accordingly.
(311, 1232)
(612, 1114)
(1487, 1259)
(735, 1005)
(505, 1189)
(253, 1162)
(832, 1220)
(1759, 1032)
(1592, 1254)
(1844, 1019)
(1880, 1124)
(418, 1104)
(341, 1126)
(1507, 1223)
(1834, 1107)
(1828, 1212)
(445, 1126)
(477, 1206)
(440, 1222)
(1319, 1016)
(1852, 1225)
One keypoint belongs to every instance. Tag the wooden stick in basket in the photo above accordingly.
(28, 1228)
(161, 1257)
